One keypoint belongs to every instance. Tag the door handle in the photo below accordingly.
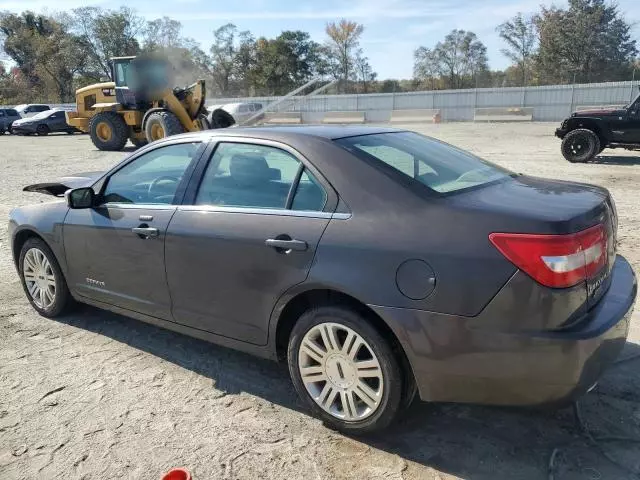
(146, 232)
(284, 245)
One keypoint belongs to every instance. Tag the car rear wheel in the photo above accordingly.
(42, 279)
(108, 131)
(580, 145)
(42, 130)
(344, 370)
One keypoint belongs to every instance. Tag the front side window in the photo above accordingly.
(258, 176)
(122, 69)
(437, 165)
(12, 113)
(152, 178)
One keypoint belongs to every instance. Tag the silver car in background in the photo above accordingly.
(241, 112)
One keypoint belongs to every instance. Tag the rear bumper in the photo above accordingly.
(456, 360)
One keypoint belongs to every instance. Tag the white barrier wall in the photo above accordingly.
(549, 103)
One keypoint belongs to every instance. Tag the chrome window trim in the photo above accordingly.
(264, 211)
(138, 206)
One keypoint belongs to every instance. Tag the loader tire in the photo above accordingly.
(161, 125)
(108, 131)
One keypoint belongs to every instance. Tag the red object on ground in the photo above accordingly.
(177, 474)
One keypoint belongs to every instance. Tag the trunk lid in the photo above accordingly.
(530, 205)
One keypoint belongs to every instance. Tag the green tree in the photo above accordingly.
(47, 54)
(285, 62)
(589, 41)
(19, 33)
(460, 60)
(520, 35)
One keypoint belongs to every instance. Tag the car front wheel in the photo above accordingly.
(344, 370)
(580, 145)
(42, 278)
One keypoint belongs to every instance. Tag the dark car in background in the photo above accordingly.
(7, 117)
(376, 262)
(44, 123)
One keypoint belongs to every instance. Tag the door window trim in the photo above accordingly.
(198, 175)
(100, 185)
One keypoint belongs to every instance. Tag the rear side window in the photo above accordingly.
(259, 176)
(2, 113)
(437, 165)
(40, 108)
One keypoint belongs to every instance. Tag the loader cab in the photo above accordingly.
(140, 80)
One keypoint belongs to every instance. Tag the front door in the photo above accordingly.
(115, 251)
(57, 122)
(250, 234)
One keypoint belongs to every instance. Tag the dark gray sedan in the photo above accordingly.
(376, 262)
(44, 123)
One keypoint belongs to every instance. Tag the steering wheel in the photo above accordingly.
(157, 181)
(466, 176)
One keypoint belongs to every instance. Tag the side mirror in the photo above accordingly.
(80, 197)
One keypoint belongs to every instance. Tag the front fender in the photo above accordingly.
(45, 220)
(601, 128)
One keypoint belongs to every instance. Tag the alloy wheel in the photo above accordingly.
(340, 371)
(39, 278)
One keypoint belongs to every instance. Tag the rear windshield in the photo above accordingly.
(438, 165)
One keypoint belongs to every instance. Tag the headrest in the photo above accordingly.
(251, 168)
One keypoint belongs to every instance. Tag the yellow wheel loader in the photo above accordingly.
(140, 105)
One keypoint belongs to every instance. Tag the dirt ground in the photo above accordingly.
(98, 396)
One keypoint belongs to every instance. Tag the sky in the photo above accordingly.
(393, 28)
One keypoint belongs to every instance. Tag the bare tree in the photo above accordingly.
(520, 35)
(342, 47)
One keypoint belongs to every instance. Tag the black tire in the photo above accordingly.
(2, 131)
(220, 118)
(164, 122)
(119, 131)
(62, 298)
(391, 396)
(10, 128)
(580, 145)
(42, 130)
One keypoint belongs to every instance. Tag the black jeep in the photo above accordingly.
(587, 133)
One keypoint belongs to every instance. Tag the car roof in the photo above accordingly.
(294, 136)
(330, 132)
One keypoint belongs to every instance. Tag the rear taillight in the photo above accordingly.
(557, 261)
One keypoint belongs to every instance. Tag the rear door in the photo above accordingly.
(248, 231)
(115, 251)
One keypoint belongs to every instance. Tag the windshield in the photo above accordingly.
(435, 164)
(41, 115)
